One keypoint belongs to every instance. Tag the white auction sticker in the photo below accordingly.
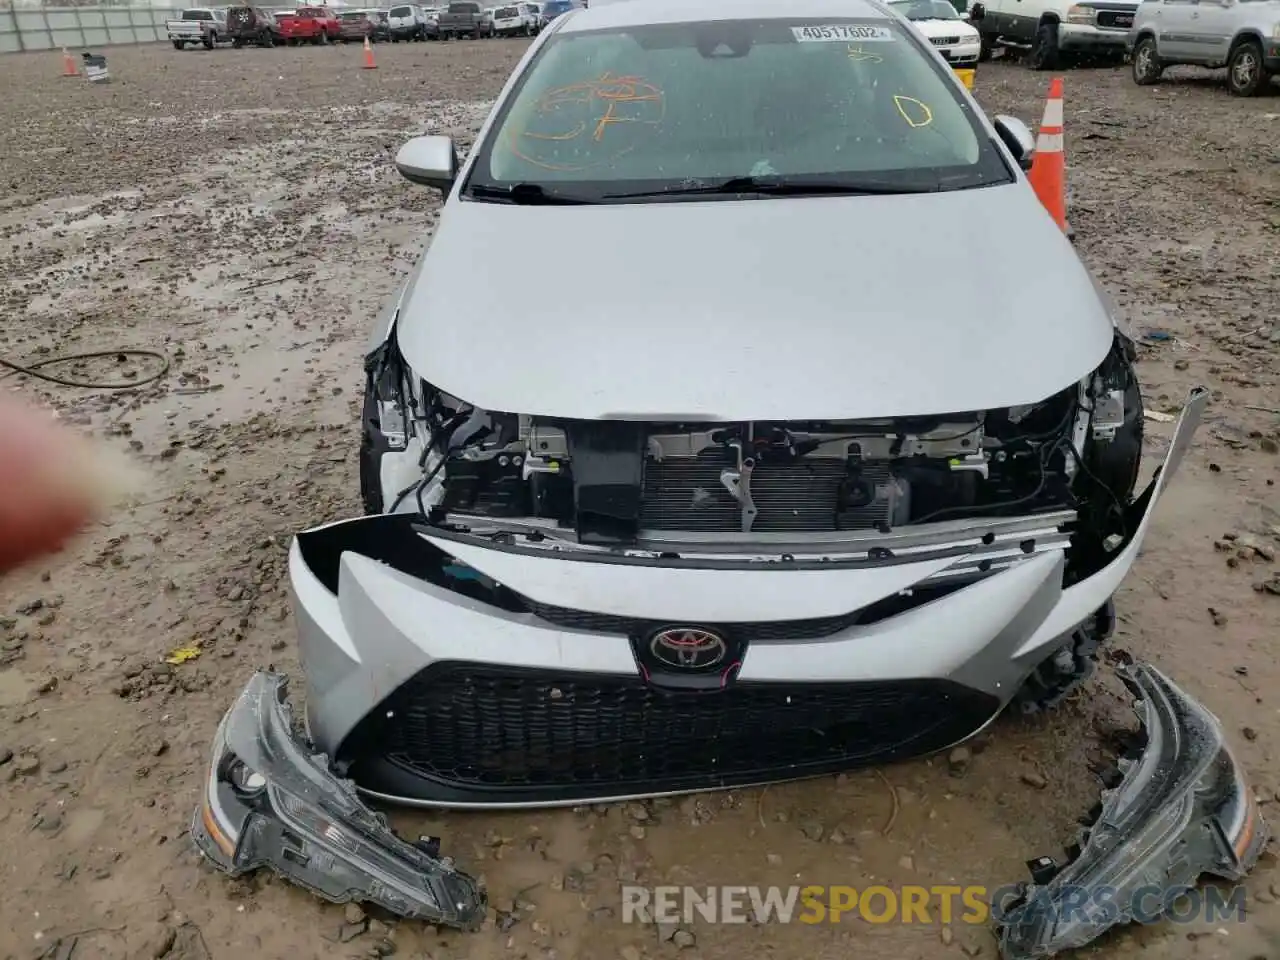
(842, 33)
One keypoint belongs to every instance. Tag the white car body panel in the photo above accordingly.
(848, 328)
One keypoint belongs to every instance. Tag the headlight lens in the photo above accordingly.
(243, 779)
(1079, 14)
(246, 782)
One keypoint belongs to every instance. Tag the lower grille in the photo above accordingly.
(944, 41)
(685, 493)
(460, 732)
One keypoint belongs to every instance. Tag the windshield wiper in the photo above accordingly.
(777, 187)
(529, 194)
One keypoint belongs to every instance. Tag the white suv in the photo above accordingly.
(1241, 35)
(509, 21)
(408, 21)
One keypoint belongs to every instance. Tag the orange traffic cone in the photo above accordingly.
(368, 56)
(1048, 173)
(69, 64)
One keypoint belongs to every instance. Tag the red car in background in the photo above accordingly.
(308, 25)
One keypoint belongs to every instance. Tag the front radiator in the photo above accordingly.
(685, 493)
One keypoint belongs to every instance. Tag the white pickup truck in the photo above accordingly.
(203, 25)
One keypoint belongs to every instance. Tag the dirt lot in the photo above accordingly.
(238, 210)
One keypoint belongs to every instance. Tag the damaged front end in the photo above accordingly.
(509, 625)
(612, 483)
(269, 802)
(1179, 809)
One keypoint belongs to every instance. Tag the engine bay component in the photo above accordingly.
(1181, 809)
(613, 481)
(609, 481)
(737, 480)
(269, 802)
(607, 468)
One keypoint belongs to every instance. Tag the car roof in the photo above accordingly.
(628, 13)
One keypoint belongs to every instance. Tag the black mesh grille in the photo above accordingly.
(475, 728)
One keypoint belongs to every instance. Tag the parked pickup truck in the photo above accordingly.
(203, 25)
(309, 25)
(462, 19)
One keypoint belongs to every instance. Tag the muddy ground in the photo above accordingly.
(238, 212)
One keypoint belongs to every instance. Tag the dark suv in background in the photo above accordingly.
(252, 25)
(553, 8)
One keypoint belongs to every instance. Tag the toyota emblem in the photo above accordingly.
(688, 648)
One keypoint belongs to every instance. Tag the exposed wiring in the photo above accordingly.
(1045, 452)
(401, 495)
(922, 435)
(439, 440)
(1117, 507)
(426, 480)
(421, 482)
(1072, 410)
(32, 369)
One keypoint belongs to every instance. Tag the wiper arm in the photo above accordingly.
(777, 187)
(528, 194)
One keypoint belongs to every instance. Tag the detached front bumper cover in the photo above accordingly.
(1182, 809)
(270, 802)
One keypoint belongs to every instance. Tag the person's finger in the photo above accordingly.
(52, 483)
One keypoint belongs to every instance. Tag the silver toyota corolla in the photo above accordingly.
(771, 476)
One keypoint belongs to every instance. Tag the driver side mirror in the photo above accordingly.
(976, 12)
(429, 161)
(1015, 135)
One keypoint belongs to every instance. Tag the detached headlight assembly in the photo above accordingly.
(1181, 809)
(269, 802)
